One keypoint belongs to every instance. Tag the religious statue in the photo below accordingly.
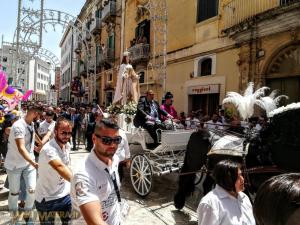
(128, 88)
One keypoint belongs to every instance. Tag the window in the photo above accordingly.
(109, 77)
(205, 67)
(142, 77)
(207, 9)
(142, 31)
(4, 59)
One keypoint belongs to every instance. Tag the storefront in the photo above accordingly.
(205, 97)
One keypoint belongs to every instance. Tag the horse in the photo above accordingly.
(273, 150)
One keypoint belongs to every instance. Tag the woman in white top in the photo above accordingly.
(226, 204)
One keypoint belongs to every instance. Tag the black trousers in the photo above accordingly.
(74, 137)
(152, 128)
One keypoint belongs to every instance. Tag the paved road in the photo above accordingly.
(157, 208)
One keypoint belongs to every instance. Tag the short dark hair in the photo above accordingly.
(225, 174)
(50, 113)
(61, 120)
(106, 123)
(34, 108)
(277, 199)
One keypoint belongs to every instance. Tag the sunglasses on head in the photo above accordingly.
(108, 140)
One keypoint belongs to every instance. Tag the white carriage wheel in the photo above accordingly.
(141, 175)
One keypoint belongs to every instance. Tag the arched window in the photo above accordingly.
(204, 67)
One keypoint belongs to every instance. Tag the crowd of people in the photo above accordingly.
(36, 141)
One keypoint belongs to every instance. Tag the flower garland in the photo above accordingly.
(129, 109)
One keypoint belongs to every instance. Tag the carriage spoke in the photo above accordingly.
(138, 171)
(142, 186)
(137, 165)
(147, 189)
(136, 180)
(140, 181)
(145, 169)
(146, 179)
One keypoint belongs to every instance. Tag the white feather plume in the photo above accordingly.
(245, 103)
(271, 102)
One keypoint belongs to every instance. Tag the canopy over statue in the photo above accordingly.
(128, 88)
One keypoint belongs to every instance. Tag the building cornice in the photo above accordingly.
(271, 22)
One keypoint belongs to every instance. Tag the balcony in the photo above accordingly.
(95, 26)
(139, 53)
(86, 35)
(238, 11)
(109, 11)
(105, 56)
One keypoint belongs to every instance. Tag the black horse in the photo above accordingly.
(275, 149)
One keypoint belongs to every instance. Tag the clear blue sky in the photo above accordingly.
(8, 20)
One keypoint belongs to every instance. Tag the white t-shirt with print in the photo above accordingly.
(93, 183)
(45, 127)
(20, 129)
(50, 185)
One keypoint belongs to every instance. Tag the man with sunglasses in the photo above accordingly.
(95, 187)
(20, 161)
(53, 184)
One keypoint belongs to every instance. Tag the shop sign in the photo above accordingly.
(204, 89)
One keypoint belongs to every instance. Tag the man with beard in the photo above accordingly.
(95, 188)
(53, 184)
(20, 161)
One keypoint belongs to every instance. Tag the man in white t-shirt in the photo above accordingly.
(53, 184)
(46, 128)
(95, 187)
(20, 160)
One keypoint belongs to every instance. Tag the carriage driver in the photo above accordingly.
(148, 114)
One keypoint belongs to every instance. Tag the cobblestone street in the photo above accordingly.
(157, 208)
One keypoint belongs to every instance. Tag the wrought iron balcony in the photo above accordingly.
(109, 10)
(139, 52)
(237, 11)
(95, 26)
(105, 56)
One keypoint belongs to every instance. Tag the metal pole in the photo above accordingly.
(41, 23)
(17, 46)
(165, 45)
(2, 37)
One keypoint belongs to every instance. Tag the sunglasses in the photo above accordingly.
(108, 140)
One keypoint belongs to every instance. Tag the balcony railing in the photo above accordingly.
(237, 11)
(139, 52)
(95, 26)
(105, 56)
(109, 10)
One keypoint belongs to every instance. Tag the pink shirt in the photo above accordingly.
(169, 109)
